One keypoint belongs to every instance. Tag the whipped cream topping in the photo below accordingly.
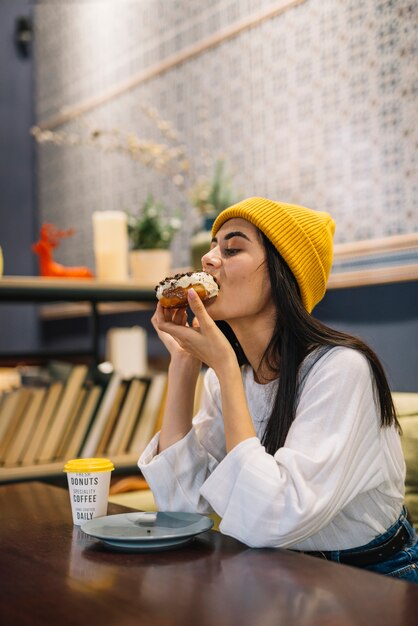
(186, 280)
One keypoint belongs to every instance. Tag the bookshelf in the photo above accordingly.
(77, 412)
(96, 296)
(92, 293)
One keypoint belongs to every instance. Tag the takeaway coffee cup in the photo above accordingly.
(88, 483)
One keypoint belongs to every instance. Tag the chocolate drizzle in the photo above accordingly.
(171, 280)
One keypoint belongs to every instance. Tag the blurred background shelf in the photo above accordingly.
(93, 298)
(54, 471)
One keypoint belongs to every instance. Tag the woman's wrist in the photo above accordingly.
(185, 366)
(227, 366)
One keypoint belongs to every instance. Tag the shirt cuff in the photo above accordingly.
(187, 446)
(150, 451)
(218, 487)
(176, 474)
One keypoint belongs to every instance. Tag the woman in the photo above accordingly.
(296, 444)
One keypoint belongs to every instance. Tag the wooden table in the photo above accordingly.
(53, 574)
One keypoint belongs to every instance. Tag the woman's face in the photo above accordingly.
(237, 260)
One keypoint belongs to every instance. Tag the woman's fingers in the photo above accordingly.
(198, 309)
(195, 323)
(154, 318)
(165, 329)
(174, 322)
(163, 316)
(203, 341)
(180, 317)
(158, 316)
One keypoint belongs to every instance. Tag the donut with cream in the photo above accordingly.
(172, 291)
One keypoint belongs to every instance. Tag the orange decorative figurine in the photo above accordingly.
(50, 239)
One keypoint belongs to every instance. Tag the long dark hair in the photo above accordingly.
(295, 335)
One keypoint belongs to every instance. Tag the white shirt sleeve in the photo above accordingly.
(176, 475)
(332, 453)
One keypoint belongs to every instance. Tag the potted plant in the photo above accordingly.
(210, 197)
(150, 234)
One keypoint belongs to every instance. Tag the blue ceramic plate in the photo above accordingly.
(146, 546)
(147, 531)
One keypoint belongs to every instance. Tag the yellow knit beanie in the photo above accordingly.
(303, 238)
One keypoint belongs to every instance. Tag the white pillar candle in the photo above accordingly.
(110, 239)
(126, 349)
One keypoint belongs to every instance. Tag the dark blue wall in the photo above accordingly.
(18, 324)
(386, 317)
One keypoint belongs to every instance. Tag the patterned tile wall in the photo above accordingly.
(316, 106)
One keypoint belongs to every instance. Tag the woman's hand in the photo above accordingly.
(176, 316)
(167, 318)
(203, 341)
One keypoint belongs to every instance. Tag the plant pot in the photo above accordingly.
(149, 267)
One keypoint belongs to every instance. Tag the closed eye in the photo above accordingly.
(231, 251)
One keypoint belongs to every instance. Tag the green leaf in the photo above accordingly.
(152, 227)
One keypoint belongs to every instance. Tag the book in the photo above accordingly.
(57, 374)
(8, 407)
(23, 397)
(71, 423)
(63, 412)
(122, 417)
(149, 414)
(128, 417)
(85, 418)
(112, 419)
(74, 435)
(59, 370)
(99, 423)
(159, 420)
(26, 428)
(48, 408)
(135, 416)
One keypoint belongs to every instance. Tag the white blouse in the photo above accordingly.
(336, 483)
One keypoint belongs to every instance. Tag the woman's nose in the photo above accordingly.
(211, 260)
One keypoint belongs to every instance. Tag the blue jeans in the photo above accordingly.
(403, 564)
